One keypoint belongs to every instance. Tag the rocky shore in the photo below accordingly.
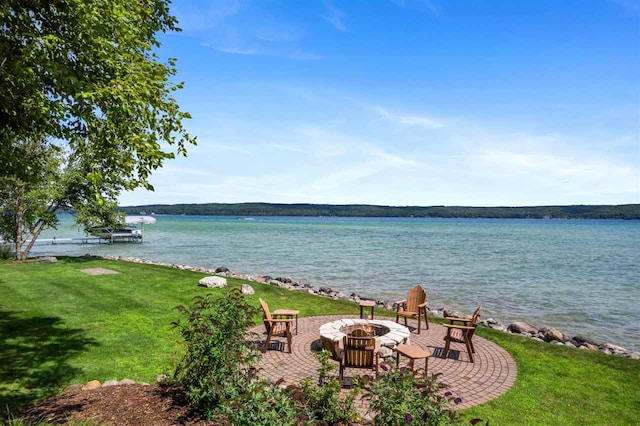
(544, 334)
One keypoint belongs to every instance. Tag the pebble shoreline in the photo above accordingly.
(549, 335)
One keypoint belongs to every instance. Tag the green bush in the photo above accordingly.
(6, 251)
(214, 370)
(399, 398)
(259, 403)
(323, 403)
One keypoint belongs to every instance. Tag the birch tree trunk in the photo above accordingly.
(19, 221)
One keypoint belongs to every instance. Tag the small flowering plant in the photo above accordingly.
(324, 403)
(399, 398)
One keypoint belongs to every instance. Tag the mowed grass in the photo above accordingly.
(60, 326)
(557, 385)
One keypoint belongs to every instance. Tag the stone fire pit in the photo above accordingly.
(388, 333)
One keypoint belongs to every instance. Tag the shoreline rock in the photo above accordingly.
(213, 282)
(544, 334)
(522, 328)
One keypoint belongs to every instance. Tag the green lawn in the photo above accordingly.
(59, 326)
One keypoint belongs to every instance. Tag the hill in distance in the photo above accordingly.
(624, 211)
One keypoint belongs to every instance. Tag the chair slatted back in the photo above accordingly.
(474, 321)
(266, 315)
(415, 297)
(360, 332)
(265, 309)
(359, 351)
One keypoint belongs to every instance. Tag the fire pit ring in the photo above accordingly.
(388, 333)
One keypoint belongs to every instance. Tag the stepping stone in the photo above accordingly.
(98, 271)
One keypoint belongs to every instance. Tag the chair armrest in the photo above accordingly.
(422, 305)
(273, 320)
(401, 304)
(454, 319)
(285, 312)
(459, 327)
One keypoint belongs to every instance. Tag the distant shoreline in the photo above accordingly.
(619, 212)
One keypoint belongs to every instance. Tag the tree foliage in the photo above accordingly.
(28, 201)
(82, 78)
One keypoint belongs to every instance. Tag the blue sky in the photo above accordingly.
(406, 102)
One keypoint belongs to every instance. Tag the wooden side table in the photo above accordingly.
(287, 313)
(367, 304)
(413, 352)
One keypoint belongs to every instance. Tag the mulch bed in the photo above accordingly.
(118, 405)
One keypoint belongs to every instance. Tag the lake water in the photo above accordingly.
(582, 277)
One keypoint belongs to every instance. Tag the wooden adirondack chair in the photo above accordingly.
(276, 326)
(461, 333)
(359, 350)
(414, 306)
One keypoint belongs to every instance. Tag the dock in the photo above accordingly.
(106, 235)
(114, 238)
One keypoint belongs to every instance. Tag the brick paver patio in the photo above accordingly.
(492, 374)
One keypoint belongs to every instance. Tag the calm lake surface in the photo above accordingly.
(580, 276)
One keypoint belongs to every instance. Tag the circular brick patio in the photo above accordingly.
(492, 373)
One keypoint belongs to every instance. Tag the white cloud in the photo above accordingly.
(408, 119)
(239, 51)
(361, 168)
(245, 28)
(419, 5)
(323, 143)
(211, 147)
(341, 177)
(279, 33)
(286, 148)
(394, 159)
(177, 171)
(630, 5)
(229, 148)
(201, 16)
(325, 147)
(334, 16)
(246, 50)
(576, 175)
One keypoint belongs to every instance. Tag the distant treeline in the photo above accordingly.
(627, 211)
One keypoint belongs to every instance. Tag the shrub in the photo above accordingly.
(399, 398)
(259, 403)
(323, 403)
(215, 367)
(6, 251)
